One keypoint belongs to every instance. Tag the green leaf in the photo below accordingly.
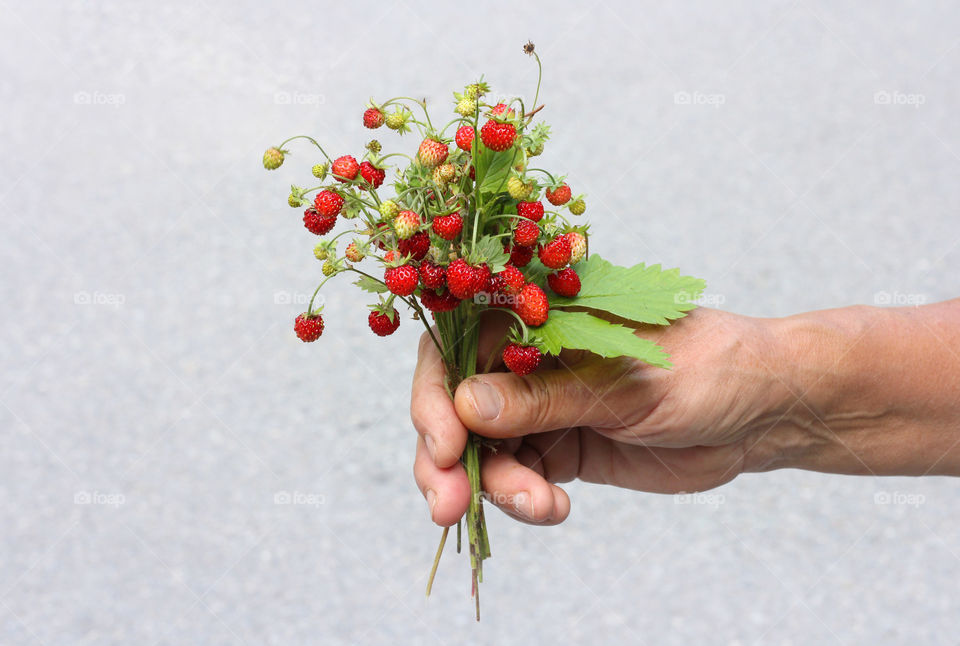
(639, 293)
(368, 284)
(489, 250)
(494, 169)
(582, 331)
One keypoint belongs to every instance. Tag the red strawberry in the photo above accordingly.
(308, 328)
(464, 138)
(578, 246)
(432, 276)
(372, 118)
(500, 109)
(556, 253)
(498, 136)
(438, 302)
(345, 168)
(317, 223)
(401, 280)
(328, 203)
(511, 280)
(382, 324)
(461, 279)
(531, 305)
(392, 255)
(448, 226)
(530, 210)
(520, 256)
(565, 282)
(432, 152)
(480, 276)
(521, 359)
(559, 196)
(373, 175)
(416, 245)
(526, 233)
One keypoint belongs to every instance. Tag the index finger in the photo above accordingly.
(431, 408)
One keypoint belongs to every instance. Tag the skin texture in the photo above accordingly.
(852, 390)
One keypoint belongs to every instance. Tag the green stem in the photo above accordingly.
(311, 139)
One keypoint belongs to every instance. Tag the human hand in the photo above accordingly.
(611, 421)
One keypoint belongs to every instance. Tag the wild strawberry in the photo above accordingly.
(373, 175)
(432, 276)
(432, 152)
(464, 138)
(461, 279)
(308, 328)
(416, 245)
(448, 226)
(511, 280)
(406, 224)
(447, 172)
(558, 196)
(396, 120)
(531, 305)
(578, 246)
(345, 168)
(498, 136)
(373, 146)
(438, 302)
(526, 233)
(392, 255)
(556, 253)
(389, 209)
(273, 158)
(521, 359)
(372, 118)
(353, 252)
(329, 268)
(565, 282)
(401, 280)
(517, 189)
(520, 256)
(530, 210)
(320, 171)
(502, 109)
(480, 276)
(384, 322)
(316, 223)
(328, 203)
(578, 206)
(466, 107)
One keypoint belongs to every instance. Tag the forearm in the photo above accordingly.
(866, 390)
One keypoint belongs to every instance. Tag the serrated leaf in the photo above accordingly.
(583, 331)
(496, 169)
(646, 294)
(368, 284)
(490, 250)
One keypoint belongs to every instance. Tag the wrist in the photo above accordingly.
(867, 391)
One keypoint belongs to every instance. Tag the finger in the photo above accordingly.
(447, 490)
(594, 392)
(522, 492)
(431, 409)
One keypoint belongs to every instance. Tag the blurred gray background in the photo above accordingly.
(154, 400)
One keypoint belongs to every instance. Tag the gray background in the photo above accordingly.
(149, 265)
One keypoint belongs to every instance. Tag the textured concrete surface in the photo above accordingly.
(154, 400)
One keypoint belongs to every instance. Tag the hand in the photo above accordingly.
(611, 421)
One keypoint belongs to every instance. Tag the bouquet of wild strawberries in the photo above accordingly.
(466, 231)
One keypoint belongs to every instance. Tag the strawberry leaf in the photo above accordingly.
(494, 169)
(582, 331)
(489, 250)
(646, 294)
(368, 284)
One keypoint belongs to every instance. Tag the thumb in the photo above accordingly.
(601, 393)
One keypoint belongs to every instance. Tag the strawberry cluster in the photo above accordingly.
(470, 223)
